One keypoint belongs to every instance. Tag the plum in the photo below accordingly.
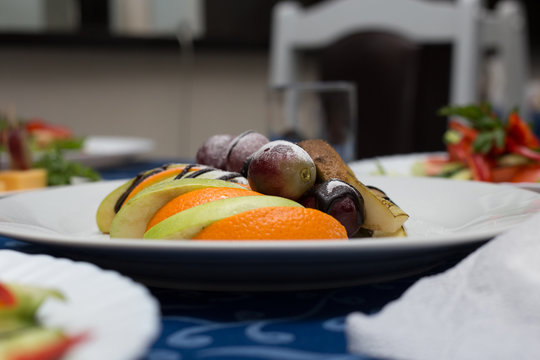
(213, 151)
(242, 147)
(281, 168)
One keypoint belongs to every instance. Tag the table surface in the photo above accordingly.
(254, 325)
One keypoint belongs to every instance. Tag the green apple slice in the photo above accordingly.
(133, 217)
(187, 223)
(106, 210)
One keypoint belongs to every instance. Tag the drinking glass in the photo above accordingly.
(315, 110)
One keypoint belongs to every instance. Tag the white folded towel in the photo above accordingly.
(486, 307)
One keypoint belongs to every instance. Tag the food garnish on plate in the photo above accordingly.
(481, 146)
(22, 335)
(21, 175)
(27, 140)
(249, 188)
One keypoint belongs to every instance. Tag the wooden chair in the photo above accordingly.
(464, 24)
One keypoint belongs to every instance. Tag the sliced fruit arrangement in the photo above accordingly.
(264, 190)
(169, 172)
(132, 218)
(481, 146)
(21, 334)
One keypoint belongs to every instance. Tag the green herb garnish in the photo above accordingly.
(482, 118)
(60, 171)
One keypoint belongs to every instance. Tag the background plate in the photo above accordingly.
(400, 165)
(120, 316)
(104, 151)
(393, 165)
(446, 217)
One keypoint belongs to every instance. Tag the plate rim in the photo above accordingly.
(372, 244)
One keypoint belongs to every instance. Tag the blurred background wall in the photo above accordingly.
(176, 71)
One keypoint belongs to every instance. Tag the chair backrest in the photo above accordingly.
(457, 23)
(504, 30)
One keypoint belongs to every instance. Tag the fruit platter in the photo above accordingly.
(250, 188)
(250, 213)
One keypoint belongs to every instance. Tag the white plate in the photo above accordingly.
(445, 217)
(13, 192)
(103, 151)
(393, 165)
(120, 316)
(401, 165)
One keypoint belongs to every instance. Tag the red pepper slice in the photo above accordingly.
(529, 173)
(435, 164)
(37, 125)
(459, 151)
(479, 166)
(7, 298)
(467, 132)
(523, 151)
(505, 173)
(520, 132)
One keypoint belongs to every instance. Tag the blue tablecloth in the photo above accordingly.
(291, 325)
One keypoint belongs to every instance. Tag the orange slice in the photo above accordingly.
(275, 223)
(194, 198)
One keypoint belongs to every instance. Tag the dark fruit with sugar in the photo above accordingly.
(241, 148)
(213, 152)
(340, 200)
(281, 168)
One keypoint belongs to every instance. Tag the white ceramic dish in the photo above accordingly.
(103, 151)
(120, 317)
(445, 217)
(400, 166)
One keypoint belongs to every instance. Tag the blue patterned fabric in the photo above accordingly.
(292, 325)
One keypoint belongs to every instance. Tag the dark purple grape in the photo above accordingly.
(340, 200)
(213, 151)
(308, 200)
(345, 210)
(241, 148)
(281, 168)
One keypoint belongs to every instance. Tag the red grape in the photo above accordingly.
(281, 168)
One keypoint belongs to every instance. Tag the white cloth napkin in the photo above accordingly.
(486, 307)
